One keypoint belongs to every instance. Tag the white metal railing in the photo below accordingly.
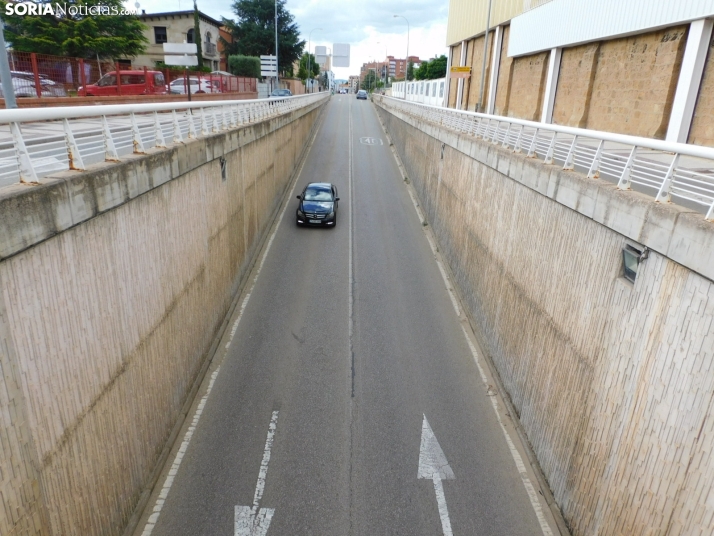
(670, 172)
(35, 142)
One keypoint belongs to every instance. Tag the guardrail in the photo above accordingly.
(670, 172)
(36, 142)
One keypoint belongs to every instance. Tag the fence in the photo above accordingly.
(44, 76)
(669, 172)
(36, 142)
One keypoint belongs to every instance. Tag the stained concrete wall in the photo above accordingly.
(612, 382)
(114, 283)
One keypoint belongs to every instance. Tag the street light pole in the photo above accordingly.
(386, 65)
(277, 79)
(8, 89)
(308, 57)
(406, 65)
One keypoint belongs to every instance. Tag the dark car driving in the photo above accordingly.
(318, 205)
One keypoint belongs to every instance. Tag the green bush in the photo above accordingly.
(248, 66)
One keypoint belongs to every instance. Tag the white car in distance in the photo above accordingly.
(204, 85)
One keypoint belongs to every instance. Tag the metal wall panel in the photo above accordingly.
(467, 18)
(561, 23)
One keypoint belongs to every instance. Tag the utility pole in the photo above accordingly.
(8, 90)
(277, 79)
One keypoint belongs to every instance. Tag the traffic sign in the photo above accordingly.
(268, 66)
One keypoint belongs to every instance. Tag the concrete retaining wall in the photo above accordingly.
(613, 382)
(114, 283)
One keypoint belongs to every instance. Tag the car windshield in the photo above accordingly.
(281, 93)
(317, 194)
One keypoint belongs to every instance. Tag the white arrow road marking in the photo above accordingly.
(255, 521)
(433, 466)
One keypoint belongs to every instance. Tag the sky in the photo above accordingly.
(369, 26)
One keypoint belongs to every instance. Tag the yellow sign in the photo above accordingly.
(461, 70)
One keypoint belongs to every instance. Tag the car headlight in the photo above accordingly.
(300, 213)
(331, 215)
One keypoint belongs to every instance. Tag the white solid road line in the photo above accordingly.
(154, 517)
(433, 466)
(255, 521)
(350, 283)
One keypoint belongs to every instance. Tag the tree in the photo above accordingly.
(94, 30)
(370, 81)
(436, 68)
(410, 70)
(420, 73)
(197, 35)
(314, 67)
(254, 32)
(244, 66)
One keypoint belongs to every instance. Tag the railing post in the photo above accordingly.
(495, 131)
(551, 149)
(158, 132)
(505, 138)
(73, 154)
(568, 165)
(663, 192)
(36, 74)
(214, 125)
(517, 146)
(178, 137)
(594, 171)
(204, 122)
(24, 163)
(191, 124)
(624, 182)
(110, 150)
(224, 114)
(532, 148)
(136, 135)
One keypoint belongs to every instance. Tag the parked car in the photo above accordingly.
(202, 85)
(132, 83)
(318, 205)
(23, 83)
(362, 94)
(277, 93)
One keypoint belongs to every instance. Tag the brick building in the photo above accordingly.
(398, 66)
(178, 27)
(640, 67)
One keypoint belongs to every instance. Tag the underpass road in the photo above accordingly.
(348, 342)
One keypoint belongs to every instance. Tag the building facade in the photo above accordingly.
(641, 67)
(178, 27)
(398, 67)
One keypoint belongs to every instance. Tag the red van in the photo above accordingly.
(130, 83)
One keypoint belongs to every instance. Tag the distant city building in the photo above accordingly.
(398, 67)
(354, 83)
(178, 27)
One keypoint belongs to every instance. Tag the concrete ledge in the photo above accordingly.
(32, 213)
(677, 232)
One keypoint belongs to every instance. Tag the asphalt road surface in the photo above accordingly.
(348, 401)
